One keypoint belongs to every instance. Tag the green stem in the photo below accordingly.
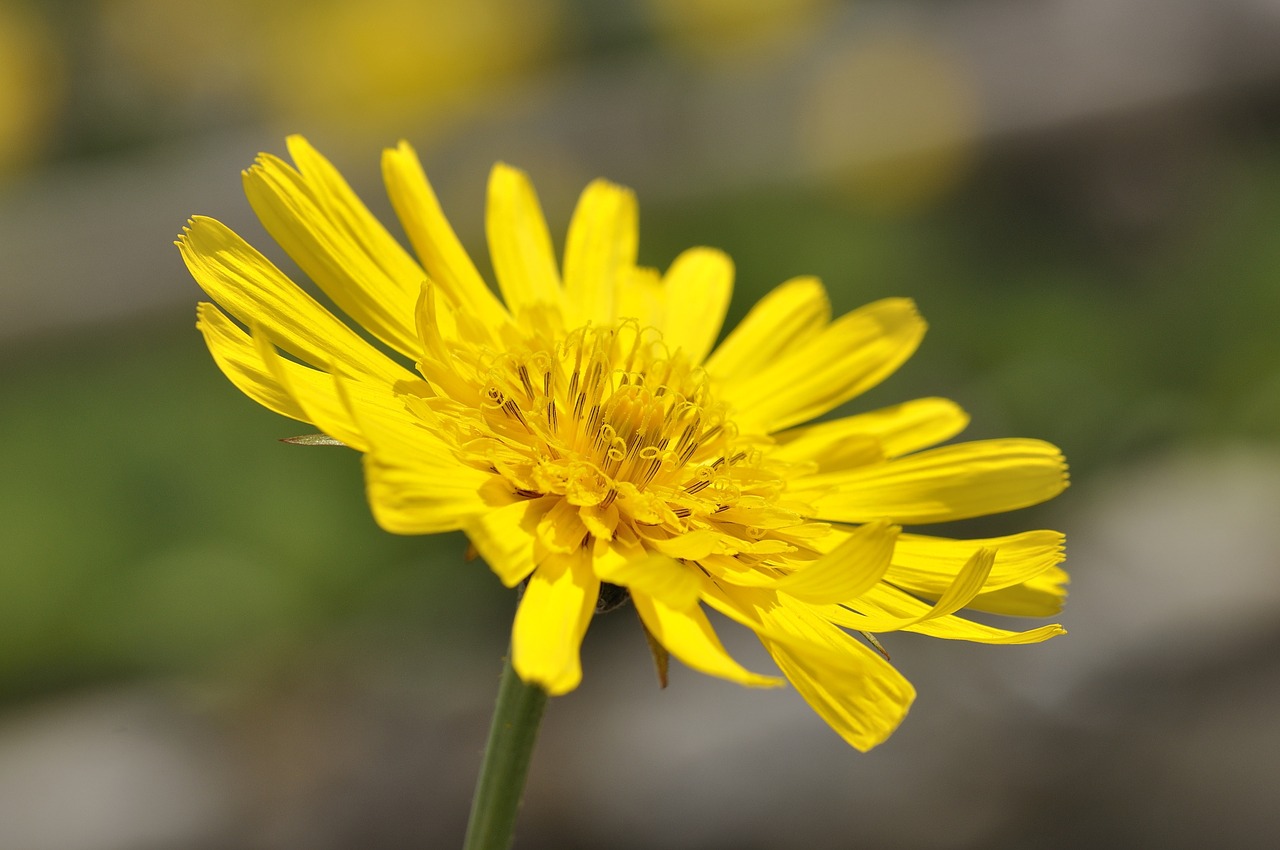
(506, 762)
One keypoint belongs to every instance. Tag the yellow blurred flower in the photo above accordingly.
(892, 121)
(586, 434)
(357, 64)
(32, 87)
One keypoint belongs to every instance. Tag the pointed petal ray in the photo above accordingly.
(249, 287)
(434, 239)
(788, 316)
(240, 360)
(520, 243)
(898, 430)
(504, 538)
(943, 484)
(852, 688)
(313, 214)
(849, 357)
(697, 289)
(552, 619)
(848, 570)
(600, 251)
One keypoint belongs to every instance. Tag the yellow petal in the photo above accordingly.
(436, 363)
(602, 522)
(434, 239)
(650, 573)
(900, 429)
(640, 296)
(240, 360)
(972, 576)
(692, 545)
(414, 482)
(504, 537)
(399, 274)
(315, 392)
(859, 694)
(730, 570)
(249, 287)
(1042, 596)
(696, 289)
(599, 252)
(561, 529)
(519, 242)
(409, 498)
(686, 633)
(337, 242)
(940, 485)
(926, 565)
(849, 357)
(866, 614)
(950, 627)
(852, 688)
(832, 450)
(958, 628)
(848, 570)
(788, 316)
(552, 619)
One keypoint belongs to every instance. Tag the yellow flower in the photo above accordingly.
(583, 433)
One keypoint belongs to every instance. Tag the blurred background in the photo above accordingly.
(205, 642)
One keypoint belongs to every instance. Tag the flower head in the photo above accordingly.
(584, 434)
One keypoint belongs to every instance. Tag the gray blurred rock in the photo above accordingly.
(126, 770)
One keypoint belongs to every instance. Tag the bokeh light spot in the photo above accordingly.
(893, 121)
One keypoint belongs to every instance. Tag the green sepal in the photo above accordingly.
(661, 658)
(313, 440)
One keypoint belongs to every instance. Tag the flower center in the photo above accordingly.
(610, 410)
(620, 428)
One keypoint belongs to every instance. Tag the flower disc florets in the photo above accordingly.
(624, 434)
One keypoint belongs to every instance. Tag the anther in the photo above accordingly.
(523, 372)
(513, 410)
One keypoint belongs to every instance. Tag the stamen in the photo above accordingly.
(687, 454)
(523, 372)
(595, 418)
(513, 410)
